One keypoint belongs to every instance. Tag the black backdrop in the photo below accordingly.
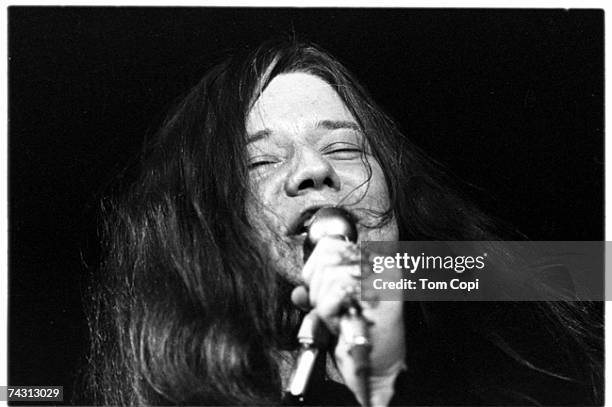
(510, 100)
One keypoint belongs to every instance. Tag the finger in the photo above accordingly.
(331, 279)
(299, 297)
(332, 304)
(328, 252)
(345, 362)
(329, 308)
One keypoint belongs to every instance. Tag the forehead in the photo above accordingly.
(296, 100)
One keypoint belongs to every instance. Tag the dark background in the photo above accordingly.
(510, 100)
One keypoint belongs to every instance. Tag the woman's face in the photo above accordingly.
(306, 150)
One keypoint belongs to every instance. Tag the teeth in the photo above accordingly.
(304, 220)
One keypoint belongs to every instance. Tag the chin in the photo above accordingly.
(387, 233)
(289, 263)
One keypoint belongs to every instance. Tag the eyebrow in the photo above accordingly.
(261, 134)
(337, 124)
(323, 124)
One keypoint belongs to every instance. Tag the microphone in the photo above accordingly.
(338, 223)
(329, 222)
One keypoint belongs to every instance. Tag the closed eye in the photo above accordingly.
(260, 162)
(343, 151)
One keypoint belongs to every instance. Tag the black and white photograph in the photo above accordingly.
(199, 200)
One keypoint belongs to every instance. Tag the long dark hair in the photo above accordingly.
(178, 317)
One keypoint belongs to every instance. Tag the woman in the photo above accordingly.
(193, 305)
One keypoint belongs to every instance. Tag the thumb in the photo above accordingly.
(299, 297)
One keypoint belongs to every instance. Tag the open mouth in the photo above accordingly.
(303, 222)
(300, 225)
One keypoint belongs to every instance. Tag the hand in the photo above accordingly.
(332, 268)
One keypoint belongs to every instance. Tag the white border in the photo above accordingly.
(608, 205)
(327, 4)
(4, 204)
(319, 3)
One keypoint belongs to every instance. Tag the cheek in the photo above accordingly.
(283, 256)
(368, 184)
(268, 186)
(378, 183)
(389, 232)
(262, 199)
(377, 197)
(267, 208)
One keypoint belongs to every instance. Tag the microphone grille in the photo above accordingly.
(329, 221)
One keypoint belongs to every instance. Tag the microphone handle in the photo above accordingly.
(336, 222)
(354, 327)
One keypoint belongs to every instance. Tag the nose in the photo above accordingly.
(312, 171)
